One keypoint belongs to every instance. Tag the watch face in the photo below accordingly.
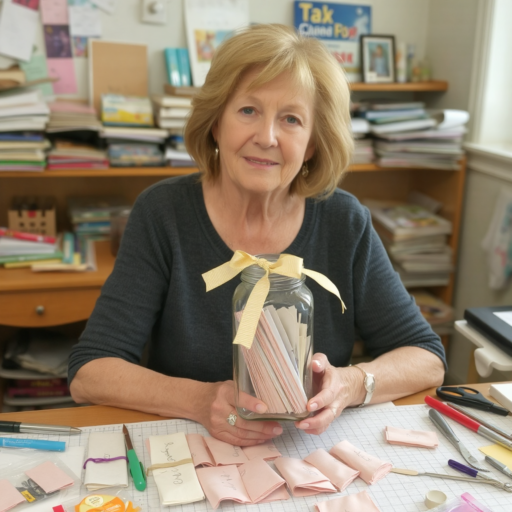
(369, 383)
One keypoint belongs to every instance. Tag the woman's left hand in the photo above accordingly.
(335, 388)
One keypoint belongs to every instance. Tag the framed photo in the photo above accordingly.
(378, 58)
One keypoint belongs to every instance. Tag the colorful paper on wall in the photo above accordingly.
(18, 26)
(54, 14)
(35, 69)
(106, 5)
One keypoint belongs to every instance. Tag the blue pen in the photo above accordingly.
(36, 444)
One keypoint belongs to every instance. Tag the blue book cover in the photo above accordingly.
(338, 26)
(172, 66)
(184, 66)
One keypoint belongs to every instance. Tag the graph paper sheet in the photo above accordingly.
(363, 428)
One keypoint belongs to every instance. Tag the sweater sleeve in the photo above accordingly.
(385, 313)
(131, 298)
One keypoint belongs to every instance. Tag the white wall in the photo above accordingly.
(406, 19)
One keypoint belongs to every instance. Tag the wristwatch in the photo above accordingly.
(369, 385)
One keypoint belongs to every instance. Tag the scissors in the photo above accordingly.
(469, 397)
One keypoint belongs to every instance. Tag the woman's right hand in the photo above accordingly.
(219, 403)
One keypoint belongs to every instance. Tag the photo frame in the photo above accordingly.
(378, 58)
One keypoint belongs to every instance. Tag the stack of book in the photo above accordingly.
(35, 366)
(23, 117)
(20, 249)
(363, 151)
(438, 314)
(91, 217)
(171, 112)
(74, 155)
(129, 133)
(415, 240)
(407, 135)
(67, 116)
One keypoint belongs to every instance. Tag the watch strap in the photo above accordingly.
(369, 385)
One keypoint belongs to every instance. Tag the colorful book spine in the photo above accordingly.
(29, 257)
(32, 237)
(38, 392)
(39, 383)
(172, 66)
(184, 67)
(68, 246)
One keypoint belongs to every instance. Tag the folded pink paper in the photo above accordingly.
(420, 438)
(222, 483)
(302, 478)
(372, 469)
(266, 451)
(49, 477)
(225, 454)
(360, 502)
(336, 471)
(200, 454)
(9, 496)
(261, 482)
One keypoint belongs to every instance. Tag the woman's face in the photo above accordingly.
(264, 135)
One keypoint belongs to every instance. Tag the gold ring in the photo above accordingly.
(231, 419)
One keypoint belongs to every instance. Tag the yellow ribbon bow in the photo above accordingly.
(286, 265)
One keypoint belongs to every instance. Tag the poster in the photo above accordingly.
(338, 26)
(208, 23)
(18, 26)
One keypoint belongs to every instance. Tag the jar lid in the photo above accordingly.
(254, 273)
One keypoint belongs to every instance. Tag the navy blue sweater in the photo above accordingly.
(156, 293)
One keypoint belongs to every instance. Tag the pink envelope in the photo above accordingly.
(200, 454)
(302, 478)
(338, 473)
(9, 496)
(225, 454)
(420, 438)
(261, 482)
(360, 502)
(222, 483)
(372, 469)
(266, 451)
(49, 477)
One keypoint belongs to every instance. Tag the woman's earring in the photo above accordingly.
(305, 170)
(216, 152)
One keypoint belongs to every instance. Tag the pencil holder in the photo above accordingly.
(277, 367)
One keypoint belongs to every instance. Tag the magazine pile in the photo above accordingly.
(415, 240)
(276, 360)
(406, 134)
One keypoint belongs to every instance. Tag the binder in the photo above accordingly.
(495, 329)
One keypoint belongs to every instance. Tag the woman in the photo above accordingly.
(270, 131)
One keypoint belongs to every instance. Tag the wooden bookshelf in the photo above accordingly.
(430, 86)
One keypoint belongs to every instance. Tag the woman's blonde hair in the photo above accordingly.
(276, 49)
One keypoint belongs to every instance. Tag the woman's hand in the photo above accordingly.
(219, 403)
(335, 388)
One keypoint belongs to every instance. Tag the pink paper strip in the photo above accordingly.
(302, 478)
(200, 454)
(360, 502)
(54, 12)
(49, 477)
(336, 471)
(419, 438)
(64, 70)
(266, 451)
(372, 469)
(222, 483)
(9, 496)
(224, 453)
(262, 482)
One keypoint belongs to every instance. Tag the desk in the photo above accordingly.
(44, 299)
(104, 415)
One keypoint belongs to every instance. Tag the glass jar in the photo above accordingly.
(277, 367)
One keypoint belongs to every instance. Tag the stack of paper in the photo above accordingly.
(23, 117)
(277, 359)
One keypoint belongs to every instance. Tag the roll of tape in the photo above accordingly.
(434, 499)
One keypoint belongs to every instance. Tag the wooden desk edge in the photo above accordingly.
(105, 415)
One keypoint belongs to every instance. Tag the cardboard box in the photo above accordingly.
(33, 215)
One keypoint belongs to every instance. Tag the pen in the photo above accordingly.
(498, 465)
(30, 428)
(473, 416)
(36, 444)
(468, 422)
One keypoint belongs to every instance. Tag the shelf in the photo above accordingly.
(164, 172)
(430, 86)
